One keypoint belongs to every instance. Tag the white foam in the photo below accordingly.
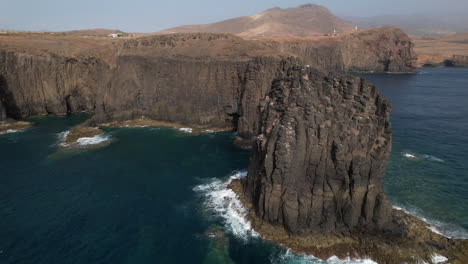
(443, 229)
(62, 136)
(336, 260)
(289, 257)
(432, 158)
(224, 203)
(436, 258)
(8, 131)
(409, 156)
(84, 141)
(423, 156)
(92, 140)
(186, 129)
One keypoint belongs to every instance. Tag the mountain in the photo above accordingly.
(303, 21)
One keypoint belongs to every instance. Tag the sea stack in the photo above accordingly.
(319, 158)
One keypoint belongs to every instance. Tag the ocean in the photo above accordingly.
(158, 195)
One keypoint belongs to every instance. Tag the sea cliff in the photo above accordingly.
(195, 79)
(321, 141)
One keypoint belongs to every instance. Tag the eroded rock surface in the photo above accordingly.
(321, 152)
(195, 79)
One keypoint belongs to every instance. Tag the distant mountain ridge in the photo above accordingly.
(303, 21)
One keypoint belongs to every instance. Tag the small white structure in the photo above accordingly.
(113, 35)
(356, 28)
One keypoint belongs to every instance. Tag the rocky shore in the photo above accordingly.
(415, 243)
(84, 138)
(154, 123)
(13, 126)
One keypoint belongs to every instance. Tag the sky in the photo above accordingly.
(155, 15)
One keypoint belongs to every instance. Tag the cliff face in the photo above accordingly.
(379, 50)
(192, 92)
(194, 79)
(48, 84)
(320, 156)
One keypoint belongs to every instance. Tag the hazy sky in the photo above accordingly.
(154, 15)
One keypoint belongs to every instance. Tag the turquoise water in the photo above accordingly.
(156, 195)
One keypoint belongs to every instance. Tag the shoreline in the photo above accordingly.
(84, 137)
(135, 123)
(418, 244)
(15, 126)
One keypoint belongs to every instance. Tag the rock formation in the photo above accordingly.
(321, 153)
(194, 79)
(380, 50)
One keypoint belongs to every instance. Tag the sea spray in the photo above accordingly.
(9, 131)
(92, 140)
(83, 141)
(186, 129)
(224, 203)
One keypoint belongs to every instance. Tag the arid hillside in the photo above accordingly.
(303, 21)
(445, 51)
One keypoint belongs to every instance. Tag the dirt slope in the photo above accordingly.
(302, 21)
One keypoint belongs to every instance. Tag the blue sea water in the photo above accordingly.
(428, 170)
(157, 195)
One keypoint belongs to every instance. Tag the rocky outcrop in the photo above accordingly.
(377, 50)
(320, 155)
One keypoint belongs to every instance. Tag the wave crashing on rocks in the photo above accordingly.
(222, 202)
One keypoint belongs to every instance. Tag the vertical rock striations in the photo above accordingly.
(320, 155)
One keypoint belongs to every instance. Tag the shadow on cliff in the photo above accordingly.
(7, 101)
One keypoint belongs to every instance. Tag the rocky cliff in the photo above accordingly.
(381, 50)
(196, 79)
(321, 153)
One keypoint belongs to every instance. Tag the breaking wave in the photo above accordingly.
(413, 156)
(84, 141)
(62, 136)
(222, 202)
(185, 129)
(290, 257)
(9, 131)
(443, 229)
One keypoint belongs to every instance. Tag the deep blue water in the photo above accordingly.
(155, 195)
(430, 121)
